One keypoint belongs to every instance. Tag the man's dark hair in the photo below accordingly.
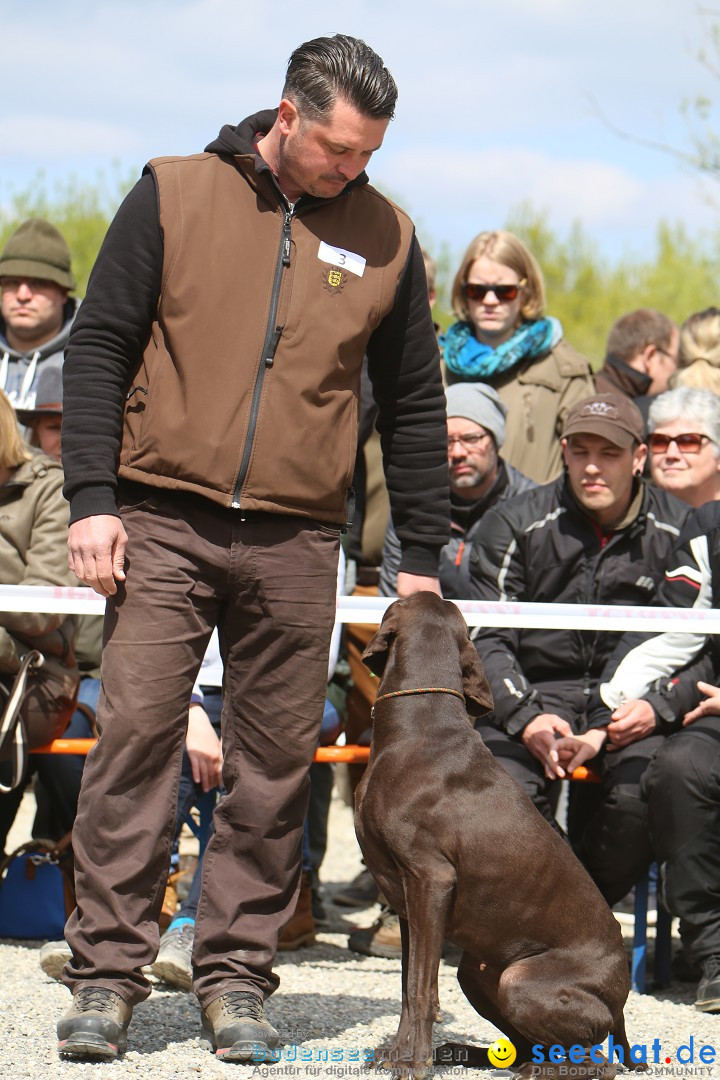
(327, 68)
(632, 333)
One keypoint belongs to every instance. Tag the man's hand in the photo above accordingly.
(204, 749)
(540, 736)
(709, 707)
(96, 552)
(410, 583)
(631, 721)
(574, 750)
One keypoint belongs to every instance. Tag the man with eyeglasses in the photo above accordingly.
(642, 354)
(597, 535)
(479, 479)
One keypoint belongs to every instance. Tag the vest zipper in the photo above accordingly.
(273, 334)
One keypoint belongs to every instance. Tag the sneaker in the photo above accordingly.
(708, 991)
(236, 1027)
(380, 939)
(174, 959)
(301, 928)
(361, 892)
(53, 957)
(95, 1026)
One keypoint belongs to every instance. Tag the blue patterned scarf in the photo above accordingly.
(469, 358)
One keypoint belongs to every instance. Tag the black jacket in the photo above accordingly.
(541, 547)
(664, 668)
(465, 524)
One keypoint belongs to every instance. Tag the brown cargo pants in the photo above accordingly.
(269, 582)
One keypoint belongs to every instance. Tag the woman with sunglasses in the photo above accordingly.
(684, 444)
(503, 338)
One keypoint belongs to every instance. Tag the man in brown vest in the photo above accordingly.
(210, 424)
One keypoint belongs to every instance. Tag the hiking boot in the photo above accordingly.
(236, 1027)
(708, 991)
(380, 939)
(360, 893)
(53, 957)
(301, 928)
(174, 959)
(95, 1026)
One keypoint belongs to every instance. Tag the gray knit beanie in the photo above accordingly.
(479, 402)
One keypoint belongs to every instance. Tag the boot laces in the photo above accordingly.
(243, 1004)
(711, 966)
(95, 999)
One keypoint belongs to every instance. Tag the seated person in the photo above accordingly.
(684, 444)
(660, 691)
(479, 478)
(33, 530)
(598, 534)
(43, 424)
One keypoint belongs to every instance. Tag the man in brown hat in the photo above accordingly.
(596, 535)
(36, 312)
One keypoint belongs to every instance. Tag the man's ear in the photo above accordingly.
(287, 117)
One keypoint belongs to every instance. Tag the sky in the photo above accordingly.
(500, 103)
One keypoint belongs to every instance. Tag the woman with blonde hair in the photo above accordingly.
(503, 338)
(699, 365)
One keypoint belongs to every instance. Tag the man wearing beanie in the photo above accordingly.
(597, 535)
(36, 312)
(479, 480)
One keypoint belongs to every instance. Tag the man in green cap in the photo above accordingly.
(36, 312)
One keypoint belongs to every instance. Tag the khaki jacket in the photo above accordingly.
(275, 428)
(33, 551)
(538, 396)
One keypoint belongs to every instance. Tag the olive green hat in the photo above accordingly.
(37, 250)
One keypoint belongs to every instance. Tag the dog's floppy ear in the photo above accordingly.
(376, 650)
(478, 696)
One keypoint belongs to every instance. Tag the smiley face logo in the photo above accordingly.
(502, 1053)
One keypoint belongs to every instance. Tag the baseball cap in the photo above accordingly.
(611, 415)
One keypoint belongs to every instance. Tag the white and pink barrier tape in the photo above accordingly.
(369, 610)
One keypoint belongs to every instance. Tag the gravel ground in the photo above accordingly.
(332, 1007)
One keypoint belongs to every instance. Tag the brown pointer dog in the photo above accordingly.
(460, 852)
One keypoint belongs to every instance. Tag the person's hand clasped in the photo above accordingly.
(631, 721)
(96, 552)
(710, 706)
(540, 737)
(571, 751)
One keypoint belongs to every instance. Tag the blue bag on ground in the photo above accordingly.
(36, 890)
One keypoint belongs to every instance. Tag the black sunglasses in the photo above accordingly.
(689, 443)
(473, 291)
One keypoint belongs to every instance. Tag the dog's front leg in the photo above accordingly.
(410, 1052)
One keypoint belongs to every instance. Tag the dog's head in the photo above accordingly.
(409, 617)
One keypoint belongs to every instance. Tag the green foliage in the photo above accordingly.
(587, 293)
(80, 209)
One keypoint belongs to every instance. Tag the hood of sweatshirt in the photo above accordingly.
(19, 371)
